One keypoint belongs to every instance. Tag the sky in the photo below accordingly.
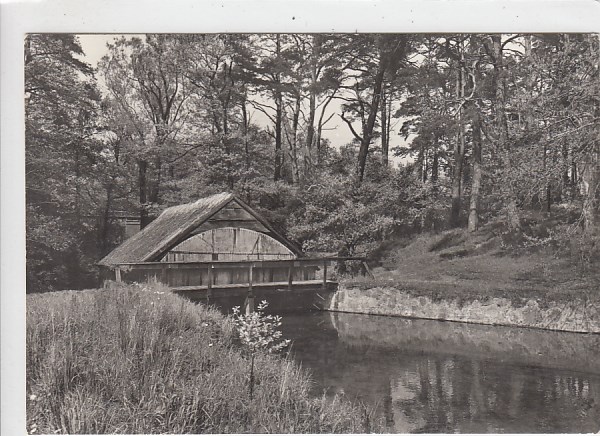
(336, 131)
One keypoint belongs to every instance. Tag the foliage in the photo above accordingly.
(483, 127)
(334, 216)
(258, 331)
(571, 242)
(61, 162)
(137, 359)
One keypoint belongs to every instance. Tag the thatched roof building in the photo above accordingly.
(219, 227)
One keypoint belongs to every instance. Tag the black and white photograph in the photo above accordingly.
(322, 232)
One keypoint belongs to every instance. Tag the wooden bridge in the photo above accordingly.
(244, 280)
(218, 247)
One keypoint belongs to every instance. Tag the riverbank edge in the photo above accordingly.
(578, 316)
(132, 341)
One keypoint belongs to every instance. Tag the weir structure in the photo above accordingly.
(220, 250)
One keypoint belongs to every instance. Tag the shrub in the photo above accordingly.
(258, 333)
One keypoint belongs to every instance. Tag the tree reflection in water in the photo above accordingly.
(429, 376)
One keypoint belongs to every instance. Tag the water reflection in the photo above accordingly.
(429, 376)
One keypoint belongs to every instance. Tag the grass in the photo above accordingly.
(137, 359)
(465, 267)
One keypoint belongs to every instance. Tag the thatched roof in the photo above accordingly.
(175, 224)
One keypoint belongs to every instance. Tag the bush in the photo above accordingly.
(570, 241)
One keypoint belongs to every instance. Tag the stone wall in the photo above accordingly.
(574, 316)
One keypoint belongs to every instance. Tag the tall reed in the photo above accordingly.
(138, 359)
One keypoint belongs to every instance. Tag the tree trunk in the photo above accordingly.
(420, 162)
(245, 122)
(143, 184)
(473, 224)
(310, 135)
(459, 152)
(154, 191)
(312, 109)
(320, 125)
(385, 144)
(435, 165)
(104, 230)
(547, 189)
(512, 213)
(293, 141)
(278, 119)
(278, 124)
(367, 135)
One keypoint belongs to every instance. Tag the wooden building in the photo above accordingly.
(215, 241)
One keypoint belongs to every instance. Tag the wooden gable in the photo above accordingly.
(232, 215)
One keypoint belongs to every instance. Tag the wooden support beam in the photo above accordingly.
(250, 278)
(210, 283)
(250, 299)
(324, 274)
(163, 275)
(290, 275)
(118, 274)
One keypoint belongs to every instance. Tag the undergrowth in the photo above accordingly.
(547, 261)
(137, 359)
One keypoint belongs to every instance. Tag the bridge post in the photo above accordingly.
(250, 299)
(290, 275)
(163, 275)
(210, 282)
(325, 274)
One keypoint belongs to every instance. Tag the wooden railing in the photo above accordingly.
(321, 262)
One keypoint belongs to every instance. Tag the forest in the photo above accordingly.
(451, 131)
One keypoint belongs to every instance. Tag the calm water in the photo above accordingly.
(430, 376)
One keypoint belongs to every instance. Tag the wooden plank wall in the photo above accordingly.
(228, 243)
(233, 215)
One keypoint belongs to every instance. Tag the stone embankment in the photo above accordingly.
(572, 316)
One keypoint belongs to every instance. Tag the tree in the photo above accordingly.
(61, 104)
(427, 111)
(265, 62)
(377, 57)
(571, 108)
(259, 333)
(335, 216)
(146, 81)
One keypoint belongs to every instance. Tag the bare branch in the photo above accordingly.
(356, 135)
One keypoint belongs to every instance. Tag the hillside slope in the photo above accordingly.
(468, 266)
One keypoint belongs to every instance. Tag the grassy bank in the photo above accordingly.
(466, 266)
(140, 360)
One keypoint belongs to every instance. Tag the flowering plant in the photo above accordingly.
(259, 332)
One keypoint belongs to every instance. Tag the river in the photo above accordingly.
(431, 376)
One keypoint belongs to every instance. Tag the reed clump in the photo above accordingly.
(138, 359)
